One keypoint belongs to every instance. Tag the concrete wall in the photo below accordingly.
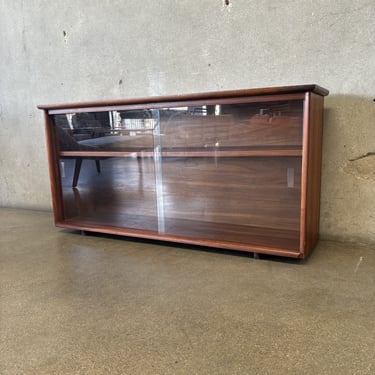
(87, 50)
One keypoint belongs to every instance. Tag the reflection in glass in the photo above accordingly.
(106, 131)
(228, 172)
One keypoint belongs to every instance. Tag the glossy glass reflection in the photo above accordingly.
(122, 193)
(229, 172)
(232, 172)
(233, 126)
(106, 131)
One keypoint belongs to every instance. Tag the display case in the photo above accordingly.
(234, 169)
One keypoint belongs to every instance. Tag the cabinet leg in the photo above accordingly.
(256, 255)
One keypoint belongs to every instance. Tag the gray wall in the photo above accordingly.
(78, 50)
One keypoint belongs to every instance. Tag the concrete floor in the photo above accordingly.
(72, 304)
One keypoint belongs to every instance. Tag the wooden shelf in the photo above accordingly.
(234, 169)
(203, 152)
(221, 235)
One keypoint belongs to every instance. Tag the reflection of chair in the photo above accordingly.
(89, 125)
(68, 143)
(77, 168)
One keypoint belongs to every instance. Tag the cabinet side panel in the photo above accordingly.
(314, 162)
(54, 170)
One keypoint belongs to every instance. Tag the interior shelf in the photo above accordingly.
(191, 152)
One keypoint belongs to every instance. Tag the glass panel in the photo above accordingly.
(123, 194)
(248, 125)
(213, 189)
(101, 186)
(106, 131)
(220, 172)
(231, 198)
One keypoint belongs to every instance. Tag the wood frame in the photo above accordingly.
(312, 97)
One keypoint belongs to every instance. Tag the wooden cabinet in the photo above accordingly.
(235, 169)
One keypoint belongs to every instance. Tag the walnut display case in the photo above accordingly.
(234, 169)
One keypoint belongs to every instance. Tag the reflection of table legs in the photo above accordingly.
(77, 169)
(78, 165)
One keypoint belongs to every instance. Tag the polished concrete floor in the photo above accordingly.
(73, 304)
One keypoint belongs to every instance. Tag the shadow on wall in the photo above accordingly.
(349, 135)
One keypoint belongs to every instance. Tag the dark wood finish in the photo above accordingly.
(283, 91)
(137, 104)
(219, 152)
(313, 173)
(54, 170)
(245, 178)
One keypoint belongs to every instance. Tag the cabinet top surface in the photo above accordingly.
(196, 96)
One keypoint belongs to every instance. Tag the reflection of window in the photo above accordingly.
(181, 109)
(137, 119)
(69, 117)
(115, 120)
(199, 111)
